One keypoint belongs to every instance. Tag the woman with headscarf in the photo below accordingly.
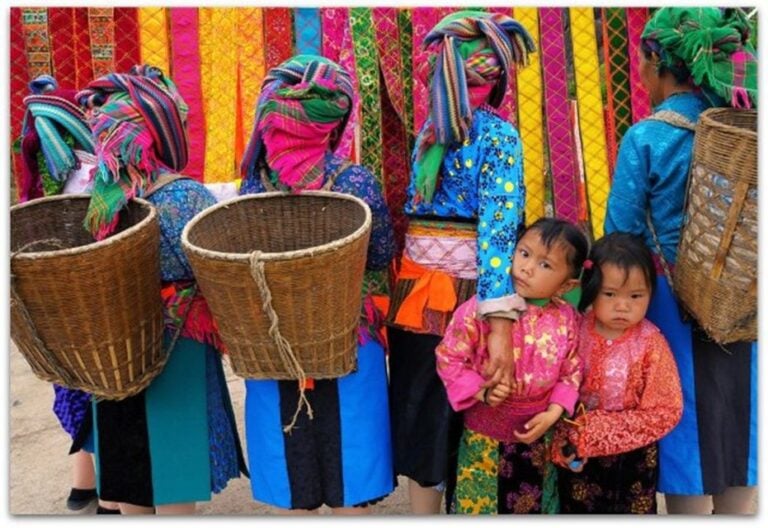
(57, 156)
(691, 59)
(342, 457)
(175, 442)
(466, 204)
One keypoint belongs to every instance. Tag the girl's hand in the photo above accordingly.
(497, 394)
(540, 424)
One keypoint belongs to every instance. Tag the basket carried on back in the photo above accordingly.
(279, 268)
(85, 314)
(716, 272)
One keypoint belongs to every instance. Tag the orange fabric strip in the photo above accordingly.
(434, 289)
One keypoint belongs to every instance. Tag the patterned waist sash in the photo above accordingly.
(501, 421)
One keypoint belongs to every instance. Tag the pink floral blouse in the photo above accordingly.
(547, 368)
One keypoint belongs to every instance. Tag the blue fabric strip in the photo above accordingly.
(752, 462)
(307, 29)
(264, 439)
(366, 450)
(679, 451)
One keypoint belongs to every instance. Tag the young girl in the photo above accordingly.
(630, 396)
(503, 465)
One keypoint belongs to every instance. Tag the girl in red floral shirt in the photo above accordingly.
(630, 396)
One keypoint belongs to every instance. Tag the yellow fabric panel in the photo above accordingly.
(252, 69)
(591, 120)
(531, 111)
(153, 37)
(218, 68)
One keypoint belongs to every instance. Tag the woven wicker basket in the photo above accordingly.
(311, 249)
(86, 314)
(716, 272)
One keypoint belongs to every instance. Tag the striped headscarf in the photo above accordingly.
(54, 127)
(475, 52)
(712, 44)
(137, 121)
(302, 110)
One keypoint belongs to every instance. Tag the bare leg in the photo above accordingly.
(689, 504)
(365, 510)
(83, 474)
(284, 511)
(109, 505)
(738, 500)
(132, 509)
(183, 508)
(424, 501)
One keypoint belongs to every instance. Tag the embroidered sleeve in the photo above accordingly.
(455, 355)
(501, 205)
(660, 408)
(566, 390)
(358, 181)
(628, 198)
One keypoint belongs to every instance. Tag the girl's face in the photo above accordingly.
(622, 300)
(540, 272)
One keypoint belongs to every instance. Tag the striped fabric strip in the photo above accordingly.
(616, 60)
(337, 46)
(101, 26)
(364, 42)
(18, 84)
(154, 38)
(37, 42)
(278, 30)
(307, 31)
(565, 186)
(591, 120)
(218, 30)
(423, 19)
(641, 101)
(531, 112)
(83, 61)
(251, 64)
(127, 48)
(406, 47)
(186, 68)
(61, 23)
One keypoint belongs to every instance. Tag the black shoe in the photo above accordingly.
(81, 498)
(101, 510)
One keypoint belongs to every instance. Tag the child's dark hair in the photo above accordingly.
(554, 230)
(623, 250)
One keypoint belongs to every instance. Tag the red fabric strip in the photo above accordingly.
(641, 101)
(278, 35)
(127, 43)
(61, 22)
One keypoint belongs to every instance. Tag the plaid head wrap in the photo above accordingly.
(713, 44)
(137, 121)
(475, 53)
(303, 108)
(54, 126)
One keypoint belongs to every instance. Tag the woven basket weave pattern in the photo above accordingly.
(314, 248)
(95, 306)
(716, 272)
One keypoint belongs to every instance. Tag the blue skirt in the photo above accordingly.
(715, 444)
(341, 458)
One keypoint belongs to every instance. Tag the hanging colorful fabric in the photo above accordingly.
(562, 161)
(406, 49)
(251, 64)
(307, 30)
(37, 43)
(127, 49)
(278, 30)
(83, 60)
(101, 27)
(531, 113)
(186, 67)
(364, 42)
(153, 35)
(508, 108)
(18, 88)
(423, 20)
(390, 58)
(61, 22)
(616, 60)
(641, 101)
(591, 119)
(218, 29)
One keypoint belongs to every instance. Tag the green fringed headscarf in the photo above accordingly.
(713, 44)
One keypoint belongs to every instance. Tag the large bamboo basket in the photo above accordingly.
(281, 268)
(716, 272)
(85, 314)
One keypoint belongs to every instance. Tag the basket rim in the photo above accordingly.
(87, 247)
(709, 117)
(275, 256)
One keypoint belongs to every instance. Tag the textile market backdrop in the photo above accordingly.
(572, 104)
